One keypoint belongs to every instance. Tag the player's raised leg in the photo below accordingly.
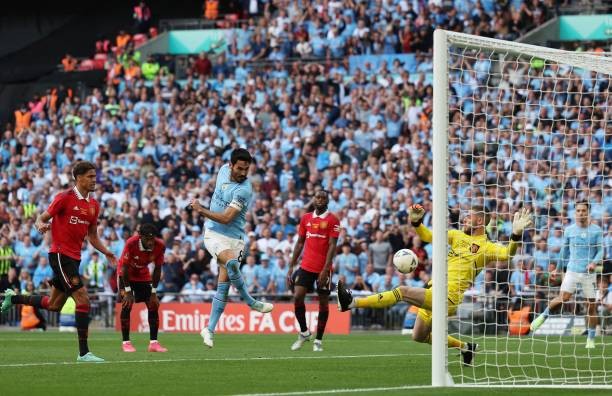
(417, 296)
(552, 307)
(11, 298)
(412, 295)
(232, 266)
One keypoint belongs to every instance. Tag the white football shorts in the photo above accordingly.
(588, 283)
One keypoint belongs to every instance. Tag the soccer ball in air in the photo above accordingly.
(405, 261)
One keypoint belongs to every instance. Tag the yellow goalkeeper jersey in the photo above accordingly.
(467, 256)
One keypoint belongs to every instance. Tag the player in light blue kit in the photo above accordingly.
(583, 252)
(225, 237)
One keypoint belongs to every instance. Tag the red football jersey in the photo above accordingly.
(137, 259)
(72, 215)
(318, 230)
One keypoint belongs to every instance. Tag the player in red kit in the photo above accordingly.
(318, 235)
(136, 285)
(75, 216)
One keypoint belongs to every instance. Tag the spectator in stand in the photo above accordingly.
(42, 274)
(193, 291)
(380, 254)
(122, 40)
(150, 68)
(201, 66)
(69, 63)
(12, 281)
(346, 264)
(142, 17)
(264, 275)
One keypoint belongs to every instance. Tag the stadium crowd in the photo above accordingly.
(364, 136)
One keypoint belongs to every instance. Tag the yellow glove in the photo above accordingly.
(416, 213)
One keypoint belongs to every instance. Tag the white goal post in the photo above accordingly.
(509, 360)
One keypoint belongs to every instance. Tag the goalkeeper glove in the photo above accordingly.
(522, 220)
(416, 213)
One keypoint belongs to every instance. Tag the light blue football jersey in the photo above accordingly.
(582, 246)
(229, 193)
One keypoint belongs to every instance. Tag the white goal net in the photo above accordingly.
(526, 127)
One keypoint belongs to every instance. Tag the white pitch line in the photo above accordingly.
(46, 338)
(216, 359)
(347, 390)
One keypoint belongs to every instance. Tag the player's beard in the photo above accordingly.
(238, 178)
(320, 210)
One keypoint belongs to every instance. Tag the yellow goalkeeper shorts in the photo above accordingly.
(425, 311)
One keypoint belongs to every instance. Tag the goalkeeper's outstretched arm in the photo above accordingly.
(415, 214)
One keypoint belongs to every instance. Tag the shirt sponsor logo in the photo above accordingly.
(77, 220)
(313, 235)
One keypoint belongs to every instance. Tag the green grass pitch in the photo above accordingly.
(389, 364)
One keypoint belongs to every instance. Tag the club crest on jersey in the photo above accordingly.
(475, 248)
(323, 225)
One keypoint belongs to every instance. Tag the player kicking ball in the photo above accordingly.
(470, 251)
(583, 251)
(224, 237)
(136, 285)
(318, 236)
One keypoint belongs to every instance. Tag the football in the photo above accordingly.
(405, 261)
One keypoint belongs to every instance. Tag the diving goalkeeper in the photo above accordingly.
(470, 251)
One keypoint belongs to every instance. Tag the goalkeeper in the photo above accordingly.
(470, 250)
